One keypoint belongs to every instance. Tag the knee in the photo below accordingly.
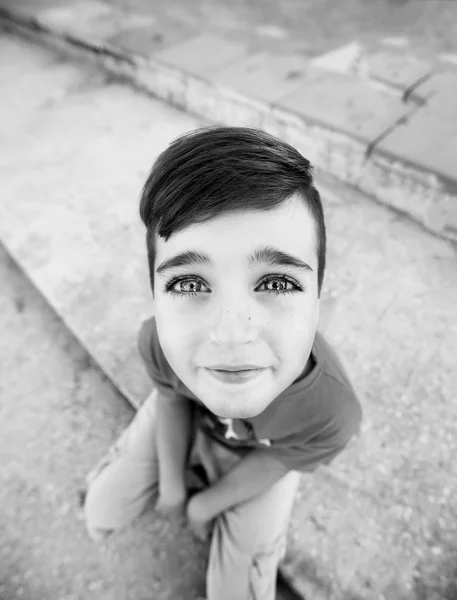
(234, 556)
(94, 509)
(117, 496)
(106, 508)
(238, 576)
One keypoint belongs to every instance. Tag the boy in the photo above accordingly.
(244, 385)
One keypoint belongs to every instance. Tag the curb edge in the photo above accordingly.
(423, 196)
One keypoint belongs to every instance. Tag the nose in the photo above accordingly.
(232, 324)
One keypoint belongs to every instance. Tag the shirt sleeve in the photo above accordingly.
(150, 352)
(310, 453)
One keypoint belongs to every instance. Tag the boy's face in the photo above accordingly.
(227, 312)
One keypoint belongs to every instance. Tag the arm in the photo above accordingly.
(174, 428)
(253, 475)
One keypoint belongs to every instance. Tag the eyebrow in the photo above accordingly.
(263, 255)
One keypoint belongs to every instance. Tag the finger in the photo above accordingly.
(201, 532)
(201, 535)
(170, 510)
(196, 530)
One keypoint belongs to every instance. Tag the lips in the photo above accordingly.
(234, 376)
(239, 367)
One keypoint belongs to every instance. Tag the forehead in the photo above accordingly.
(232, 236)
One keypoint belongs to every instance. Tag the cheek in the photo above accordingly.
(295, 325)
(167, 330)
(171, 312)
(179, 313)
(291, 315)
(283, 328)
(177, 336)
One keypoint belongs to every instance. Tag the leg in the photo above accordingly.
(125, 481)
(248, 543)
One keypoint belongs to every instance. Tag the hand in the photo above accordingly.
(172, 502)
(199, 521)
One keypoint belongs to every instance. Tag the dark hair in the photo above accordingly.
(216, 170)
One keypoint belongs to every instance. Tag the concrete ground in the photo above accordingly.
(379, 523)
(59, 414)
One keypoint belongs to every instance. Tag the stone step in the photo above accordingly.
(359, 112)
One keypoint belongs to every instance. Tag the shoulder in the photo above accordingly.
(152, 353)
(321, 422)
(330, 360)
(148, 341)
(340, 406)
(341, 410)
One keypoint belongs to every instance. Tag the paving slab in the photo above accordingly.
(428, 140)
(203, 54)
(345, 59)
(267, 77)
(149, 38)
(377, 522)
(86, 19)
(399, 69)
(348, 105)
(440, 93)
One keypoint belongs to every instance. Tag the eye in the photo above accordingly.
(194, 286)
(279, 284)
(185, 286)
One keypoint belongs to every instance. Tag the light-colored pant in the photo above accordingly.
(248, 540)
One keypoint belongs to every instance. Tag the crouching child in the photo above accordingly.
(246, 392)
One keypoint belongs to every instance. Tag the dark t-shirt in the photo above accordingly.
(304, 427)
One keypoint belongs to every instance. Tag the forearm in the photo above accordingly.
(253, 475)
(174, 429)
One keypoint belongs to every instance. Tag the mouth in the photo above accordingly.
(235, 376)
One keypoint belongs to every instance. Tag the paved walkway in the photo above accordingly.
(381, 521)
(366, 90)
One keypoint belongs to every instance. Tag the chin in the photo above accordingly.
(232, 411)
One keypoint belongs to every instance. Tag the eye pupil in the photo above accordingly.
(277, 285)
(192, 286)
